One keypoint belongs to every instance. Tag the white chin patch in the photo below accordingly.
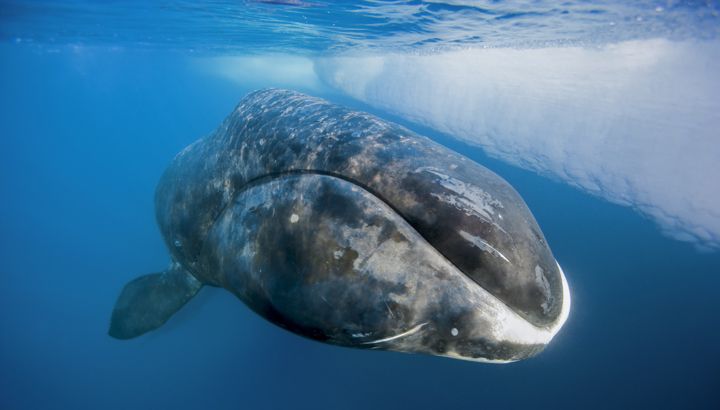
(565, 311)
(521, 331)
(511, 327)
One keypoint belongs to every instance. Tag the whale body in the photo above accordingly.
(353, 231)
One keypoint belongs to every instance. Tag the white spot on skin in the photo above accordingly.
(454, 331)
(339, 253)
(294, 218)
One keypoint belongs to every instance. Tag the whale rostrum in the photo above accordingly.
(354, 231)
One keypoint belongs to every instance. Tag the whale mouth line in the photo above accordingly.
(265, 178)
(271, 176)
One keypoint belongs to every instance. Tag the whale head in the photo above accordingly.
(329, 260)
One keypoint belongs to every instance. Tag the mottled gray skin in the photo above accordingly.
(351, 230)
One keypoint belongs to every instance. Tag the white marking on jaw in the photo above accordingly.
(361, 334)
(339, 253)
(455, 355)
(481, 244)
(403, 334)
(454, 331)
(294, 218)
(518, 330)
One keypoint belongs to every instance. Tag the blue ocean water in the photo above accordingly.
(96, 99)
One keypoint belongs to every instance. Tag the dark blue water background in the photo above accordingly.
(84, 137)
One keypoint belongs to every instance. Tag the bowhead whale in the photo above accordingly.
(350, 230)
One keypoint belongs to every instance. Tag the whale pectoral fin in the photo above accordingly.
(147, 302)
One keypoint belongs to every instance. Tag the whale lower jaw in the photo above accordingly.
(518, 331)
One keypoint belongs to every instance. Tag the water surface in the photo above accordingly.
(603, 116)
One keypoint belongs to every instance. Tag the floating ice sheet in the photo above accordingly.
(637, 122)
